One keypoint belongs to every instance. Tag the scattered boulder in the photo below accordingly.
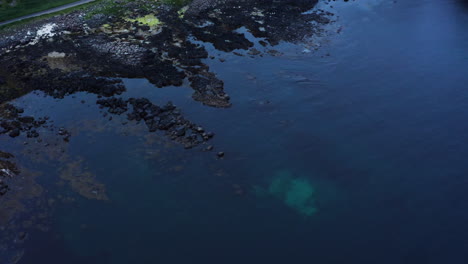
(56, 55)
(13, 123)
(166, 118)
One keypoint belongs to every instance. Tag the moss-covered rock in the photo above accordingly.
(149, 20)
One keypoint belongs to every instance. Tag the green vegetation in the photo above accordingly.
(182, 11)
(110, 7)
(33, 19)
(10, 9)
(149, 20)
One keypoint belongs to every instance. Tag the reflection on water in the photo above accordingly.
(371, 129)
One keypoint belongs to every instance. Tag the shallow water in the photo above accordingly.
(374, 121)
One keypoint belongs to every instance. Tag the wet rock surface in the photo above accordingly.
(83, 181)
(8, 170)
(167, 118)
(274, 21)
(13, 123)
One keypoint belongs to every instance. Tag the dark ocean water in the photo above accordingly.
(375, 123)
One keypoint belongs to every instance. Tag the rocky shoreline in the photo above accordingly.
(92, 50)
(72, 53)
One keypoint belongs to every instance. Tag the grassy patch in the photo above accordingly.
(109, 8)
(34, 19)
(149, 20)
(10, 9)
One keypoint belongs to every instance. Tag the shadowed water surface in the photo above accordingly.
(373, 123)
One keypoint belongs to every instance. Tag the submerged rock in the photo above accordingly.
(83, 181)
(297, 193)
